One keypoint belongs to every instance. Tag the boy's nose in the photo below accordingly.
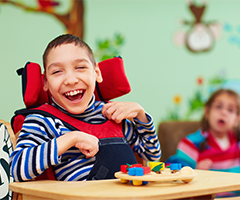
(70, 79)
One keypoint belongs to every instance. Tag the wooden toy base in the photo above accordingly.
(186, 174)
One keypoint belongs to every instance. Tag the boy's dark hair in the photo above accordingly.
(67, 39)
(204, 122)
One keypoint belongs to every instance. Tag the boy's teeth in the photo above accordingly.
(72, 93)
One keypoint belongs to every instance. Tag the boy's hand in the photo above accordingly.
(86, 143)
(204, 164)
(118, 111)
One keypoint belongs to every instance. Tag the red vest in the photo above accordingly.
(114, 149)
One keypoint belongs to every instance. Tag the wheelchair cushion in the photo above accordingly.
(115, 82)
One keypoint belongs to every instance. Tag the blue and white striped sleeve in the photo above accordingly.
(143, 138)
(36, 148)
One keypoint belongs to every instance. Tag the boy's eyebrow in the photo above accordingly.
(79, 60)
(53, 64)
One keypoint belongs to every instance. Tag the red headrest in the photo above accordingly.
(115, 82)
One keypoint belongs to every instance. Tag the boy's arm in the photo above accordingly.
(117, 111)
(140, 131)
(36, 148)
(86, 143)
(30, 160)
(143, 138)
(40, 144)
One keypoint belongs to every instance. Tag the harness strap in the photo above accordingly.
(106, 129)
(114, 149)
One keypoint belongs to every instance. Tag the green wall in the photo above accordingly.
(157, 69)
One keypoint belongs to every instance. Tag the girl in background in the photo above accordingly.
(215, 146)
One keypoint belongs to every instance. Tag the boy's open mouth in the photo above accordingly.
(74, 95)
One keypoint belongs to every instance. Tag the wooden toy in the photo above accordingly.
(135, 170)
(186, 175)
(125, 168)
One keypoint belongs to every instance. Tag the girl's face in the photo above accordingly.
(222, 115)
(70, 77)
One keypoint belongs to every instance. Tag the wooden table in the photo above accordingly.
(204, 186)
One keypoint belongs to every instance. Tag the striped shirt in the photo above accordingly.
(189, 153)
(36, 148)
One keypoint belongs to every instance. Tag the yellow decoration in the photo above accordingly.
(154, 164)
(177, 99)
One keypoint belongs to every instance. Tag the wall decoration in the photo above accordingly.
(233, 34)
(109, 47)
(201, 34)
(71, 19)
(174, 114)
(195, 104)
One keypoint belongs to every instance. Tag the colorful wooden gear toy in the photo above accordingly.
(135, 170)
(137, 176)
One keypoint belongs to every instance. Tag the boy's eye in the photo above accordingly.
(80, 67)
(55, 72)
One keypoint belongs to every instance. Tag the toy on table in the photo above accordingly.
(139, 175)
(175, 167)
(156, 166)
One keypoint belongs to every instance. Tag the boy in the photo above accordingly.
(70, 76)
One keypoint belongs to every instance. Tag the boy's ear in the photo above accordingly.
(45, 84)
(99, 78)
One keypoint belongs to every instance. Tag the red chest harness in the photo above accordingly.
(114, 149)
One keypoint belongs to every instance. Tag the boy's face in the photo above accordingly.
(70, 77)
